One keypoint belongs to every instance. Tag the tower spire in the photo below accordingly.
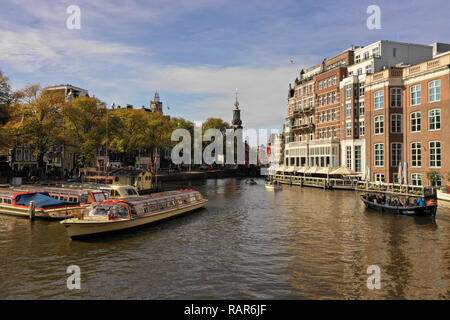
(236, 104)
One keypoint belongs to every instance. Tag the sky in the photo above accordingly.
(196, 53)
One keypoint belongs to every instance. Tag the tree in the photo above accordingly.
(85, 126)
(39, 123)
(6, 98)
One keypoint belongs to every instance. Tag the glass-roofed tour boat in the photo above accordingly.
(119, 214)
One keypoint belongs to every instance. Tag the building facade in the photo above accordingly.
(377, 110)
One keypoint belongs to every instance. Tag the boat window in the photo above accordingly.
(114, 193)
(84, 198)
(104, 210)
(130, 192)
(99, 196)
(8, 201)
(1, 200)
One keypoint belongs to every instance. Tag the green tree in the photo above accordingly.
(85, 126)
(6, 98)
(38, 123)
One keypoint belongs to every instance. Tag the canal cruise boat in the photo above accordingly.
(379, 203)
(31, 205)
(119, 214)
(76, 195)
(273, 186)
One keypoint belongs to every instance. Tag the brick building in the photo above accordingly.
(354, 111)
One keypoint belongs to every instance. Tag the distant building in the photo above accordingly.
(69, 91)
(156, 104)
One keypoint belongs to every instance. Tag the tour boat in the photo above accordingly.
(75, 195)
(428, 209)
(117, 214)
(272, 186)
(443, 194)
(20, 203)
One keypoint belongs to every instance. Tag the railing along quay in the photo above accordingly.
(356, 185)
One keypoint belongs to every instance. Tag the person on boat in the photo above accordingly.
(420, 202)
(406, 204)
(388, 202)
(396, 201)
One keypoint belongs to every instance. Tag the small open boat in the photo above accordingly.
(250, 181)
(273, 186)
(428, 209)
(443, 194)
(115, 214)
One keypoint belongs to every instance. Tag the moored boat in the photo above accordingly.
(273, 185)
(426, 209)
(36, 204)
(443, 194)
(116, 214)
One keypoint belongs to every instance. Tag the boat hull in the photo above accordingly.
(273, 187)
(443, 195)
(428, 210)
(79, 228)
(49, 214)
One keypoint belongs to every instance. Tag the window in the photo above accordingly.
(434, 119)
(379, 155)
(416, 154)
(396, 97)
(361, 108)
(416, 179)
(349, 156)
(311, 103)
(415, 122)
(334, 132)
(379, 177)
(396, 154)
(334, 117)
(369, 69)
(366, 55)
(396, 123)
(325, 84)
(435, 154)
(299, 105)
(18, 154)
(320, 85)
(334, 96)
(349, 129)
(415, 95)
(379, 101)
(358, 159)
(335, 80)
(361, 89)
(437, 182)
(434, 91)
(348, 91)
(361, 128)
(394, 52)
(357, 58)
(359, 71)
(379, 125)
(348, 109)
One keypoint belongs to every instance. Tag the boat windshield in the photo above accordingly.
(130, 192)
(105, 209)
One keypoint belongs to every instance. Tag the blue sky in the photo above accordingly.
(197, 52)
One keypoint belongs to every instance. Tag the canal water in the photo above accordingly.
(249, 243)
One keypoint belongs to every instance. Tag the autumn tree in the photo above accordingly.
(85, 126)
(39, 123)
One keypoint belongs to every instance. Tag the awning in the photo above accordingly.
(301, 170)
(40, 200)
(344, 171)
(326, 170)
(311, 170)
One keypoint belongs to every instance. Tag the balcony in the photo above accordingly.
(303, 127)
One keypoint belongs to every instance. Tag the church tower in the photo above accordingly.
(156, 105)
(236, 123)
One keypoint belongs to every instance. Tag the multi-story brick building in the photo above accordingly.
(376, 110)
(408, 108)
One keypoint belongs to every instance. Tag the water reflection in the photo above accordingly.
(248, 243)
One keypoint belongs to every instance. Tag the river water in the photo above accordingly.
(248, 243)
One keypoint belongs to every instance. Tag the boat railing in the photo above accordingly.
(396, 188)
